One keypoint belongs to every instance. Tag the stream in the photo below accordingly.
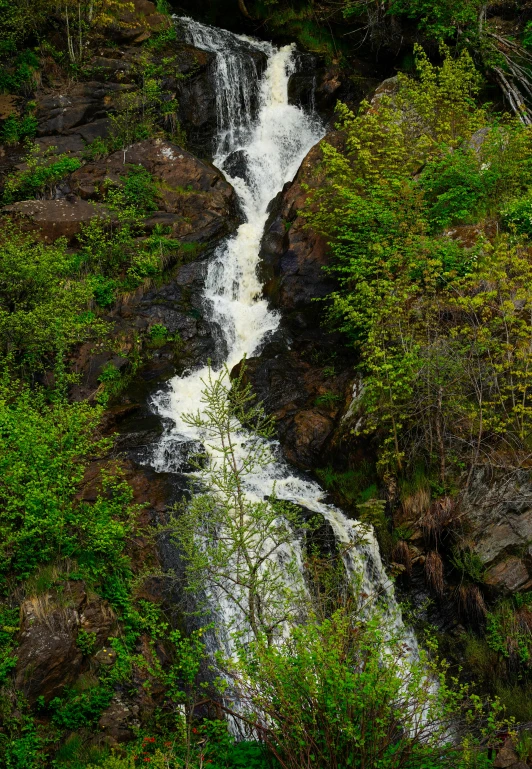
(261, 142)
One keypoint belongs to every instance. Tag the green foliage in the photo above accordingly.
(410, 298)
(353, 486)
(469, 564)
(9, 620)
(150, 108)
(527, 35)
(139, 189)
(304, 22)
(456, 188)
(42, 309)
(19, 75)
(342, 693)
(508, 633)
(440, 19)
(42, 173)
(16, 128)
(114, 253)
(327, 399)
(518, 215)
(44, 451)
(237, 529)
(86, 642)
(74, 711)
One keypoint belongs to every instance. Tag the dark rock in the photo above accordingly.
(236, 165)
(136, 24)
(290, 388)
(293, 256)
(98, 129)
(197, 100)
(497, 509)
(509, 576)
(52, 219)
(110, 69)
(203, 202)
(175, 305)
(119, 720)
(67, 145)
(79, 104)
(506, 757)
(48, 657)
(196, 94)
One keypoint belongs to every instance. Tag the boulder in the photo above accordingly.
(176, 305)
(506, 757)
(202, 203)
(48, 657)
(236, 165)
(119, 720)
(78, 104)
(292, 255)
(497, 513)
(509, 576)
(136, 24)
(304, 402)
(52, 219)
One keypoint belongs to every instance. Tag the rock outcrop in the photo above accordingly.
(195, 201)
(53, 219)
(497, 512)
(49, 656)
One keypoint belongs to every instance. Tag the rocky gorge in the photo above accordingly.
(303, 372)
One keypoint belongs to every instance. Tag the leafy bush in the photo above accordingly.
(343, 693)
(73, 711)
(439, 18)
(44, 449)
(409, 298)
(16, 128)
(518, 215)
(20, 74)
(43, 172)
(42, 309)
(139, 189)
(455, 188)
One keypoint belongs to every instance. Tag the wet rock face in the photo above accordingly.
(49, 658)
(177, 305)
(305, 401)
(498, 511)
(196, 94)
(304, 376)
(292, 255)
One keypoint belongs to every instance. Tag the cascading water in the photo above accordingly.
(271, 144)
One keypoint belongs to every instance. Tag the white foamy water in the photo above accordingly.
(270, 142)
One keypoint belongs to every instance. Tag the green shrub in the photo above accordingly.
(518, 215)
(74, 711)
(343, 693)
(43, 172)
(44, 450)
(16, 128)
(20, 74)
(456, 188)
(42, 307)
(139, 189)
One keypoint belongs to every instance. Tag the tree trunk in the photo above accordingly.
(244, 10)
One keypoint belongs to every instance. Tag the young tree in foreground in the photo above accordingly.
(237, 547)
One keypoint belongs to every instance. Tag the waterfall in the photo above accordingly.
(269, 147)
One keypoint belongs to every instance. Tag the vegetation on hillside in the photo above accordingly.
(427, 206)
